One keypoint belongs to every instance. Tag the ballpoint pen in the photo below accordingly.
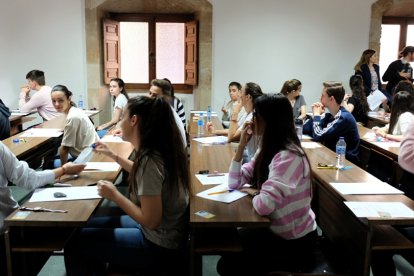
(220, 192)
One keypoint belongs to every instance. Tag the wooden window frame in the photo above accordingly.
(403, 22)
(152, 19)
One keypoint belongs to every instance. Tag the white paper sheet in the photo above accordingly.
(226, 197)
(72, 193)
(306, 137)
(391, 144)
(42, 132)
(102, 166)
(310, 145)
(213, 140)
(375, 99)
(210, 179)
(19, 113)
(112, 139)
(380, 209)
(371, 188)
(370, 135)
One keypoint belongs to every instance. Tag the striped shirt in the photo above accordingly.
(179, 108)
(285, 197)
(18, 173)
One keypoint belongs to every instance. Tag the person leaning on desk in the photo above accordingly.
(281, 189)
(154, 231)
(18, 172)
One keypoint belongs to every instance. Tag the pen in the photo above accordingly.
(220, 192)
(92, 184)
(215, 174)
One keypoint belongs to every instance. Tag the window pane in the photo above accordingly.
(170, 51)
(134, 52)
(390, 36)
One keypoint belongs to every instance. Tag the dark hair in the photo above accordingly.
(172, 92)
(159, 136)
(37, 76)
(289, 86)
(406, 51)
(65, 90)
(335, 89)
(164, 85)
(235, 83)
(121, 84)
(364, 59)
(274, 116)
(356, 84)
(401, 102)
(404, 85)
(253, 90)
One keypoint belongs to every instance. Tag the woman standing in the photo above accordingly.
(155, 227)
(280, 180)
(120, 97)
(79, 132)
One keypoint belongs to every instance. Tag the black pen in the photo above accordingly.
(92, 184)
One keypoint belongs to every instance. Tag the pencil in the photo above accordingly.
(220, 192)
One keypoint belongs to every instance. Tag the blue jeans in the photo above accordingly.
(117, 240)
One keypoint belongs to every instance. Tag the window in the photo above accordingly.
(139, 48)
(396, 33)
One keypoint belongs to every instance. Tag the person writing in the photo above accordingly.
(120, 97)
(79, 132)
(18, 172)
(279, 177)
(155, 226)
(40, 100)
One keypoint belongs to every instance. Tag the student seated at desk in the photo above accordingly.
(281, 189)
(18, 172)
(328, 127)
(40, 100)
(402, 114)
(177, 105)
(357, 102)
(4, 121)
(291, 89)
(120, 97)
(155, 227)
(234, 103)
(79, 132)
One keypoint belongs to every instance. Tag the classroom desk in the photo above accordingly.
(227, 216)
(378, 119)
(17, 120)
(47, 232)
(391, 150)
(356, 237)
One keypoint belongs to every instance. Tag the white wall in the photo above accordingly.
(268, 42)
(43, 34)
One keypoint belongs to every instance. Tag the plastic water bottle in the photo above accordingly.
(80, 102)
(209, 114)
(299, 128)
(200, 125)
(340, 153)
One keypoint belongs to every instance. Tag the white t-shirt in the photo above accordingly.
(79, 132)
(120, 102)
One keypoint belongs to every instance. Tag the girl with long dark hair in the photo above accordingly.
(357, 104)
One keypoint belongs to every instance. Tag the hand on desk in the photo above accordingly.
(251, 191)
(70, 168)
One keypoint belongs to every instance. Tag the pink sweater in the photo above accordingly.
(285, 196)
(40, 100)
(406, 155)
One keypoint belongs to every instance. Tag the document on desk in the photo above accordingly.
(375, 99)
(389, 144)
(19, 113)
(222, 193)
(42, 132)
(102, 166)
(310, 145)
(380, 209)
(213, 140)
(370, 136)
(214, 178)
(72, 193)
(367, 188)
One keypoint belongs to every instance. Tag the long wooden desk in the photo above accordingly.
(357, 237)
(17, 120)
(227, 216)
(43, 232)
(391, 150)
(378, 119)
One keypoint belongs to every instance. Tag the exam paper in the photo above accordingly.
(310, 145)
(102, 166)
(209, 179)
(212, 140)
(367, 188)
(390, 144)
(42, 132)
(375, 99)
(72, 193)
(226, 197)
(380, 209)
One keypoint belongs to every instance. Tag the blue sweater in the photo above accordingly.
(328, 129)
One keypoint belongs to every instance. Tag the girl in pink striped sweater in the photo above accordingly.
(280, 180)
